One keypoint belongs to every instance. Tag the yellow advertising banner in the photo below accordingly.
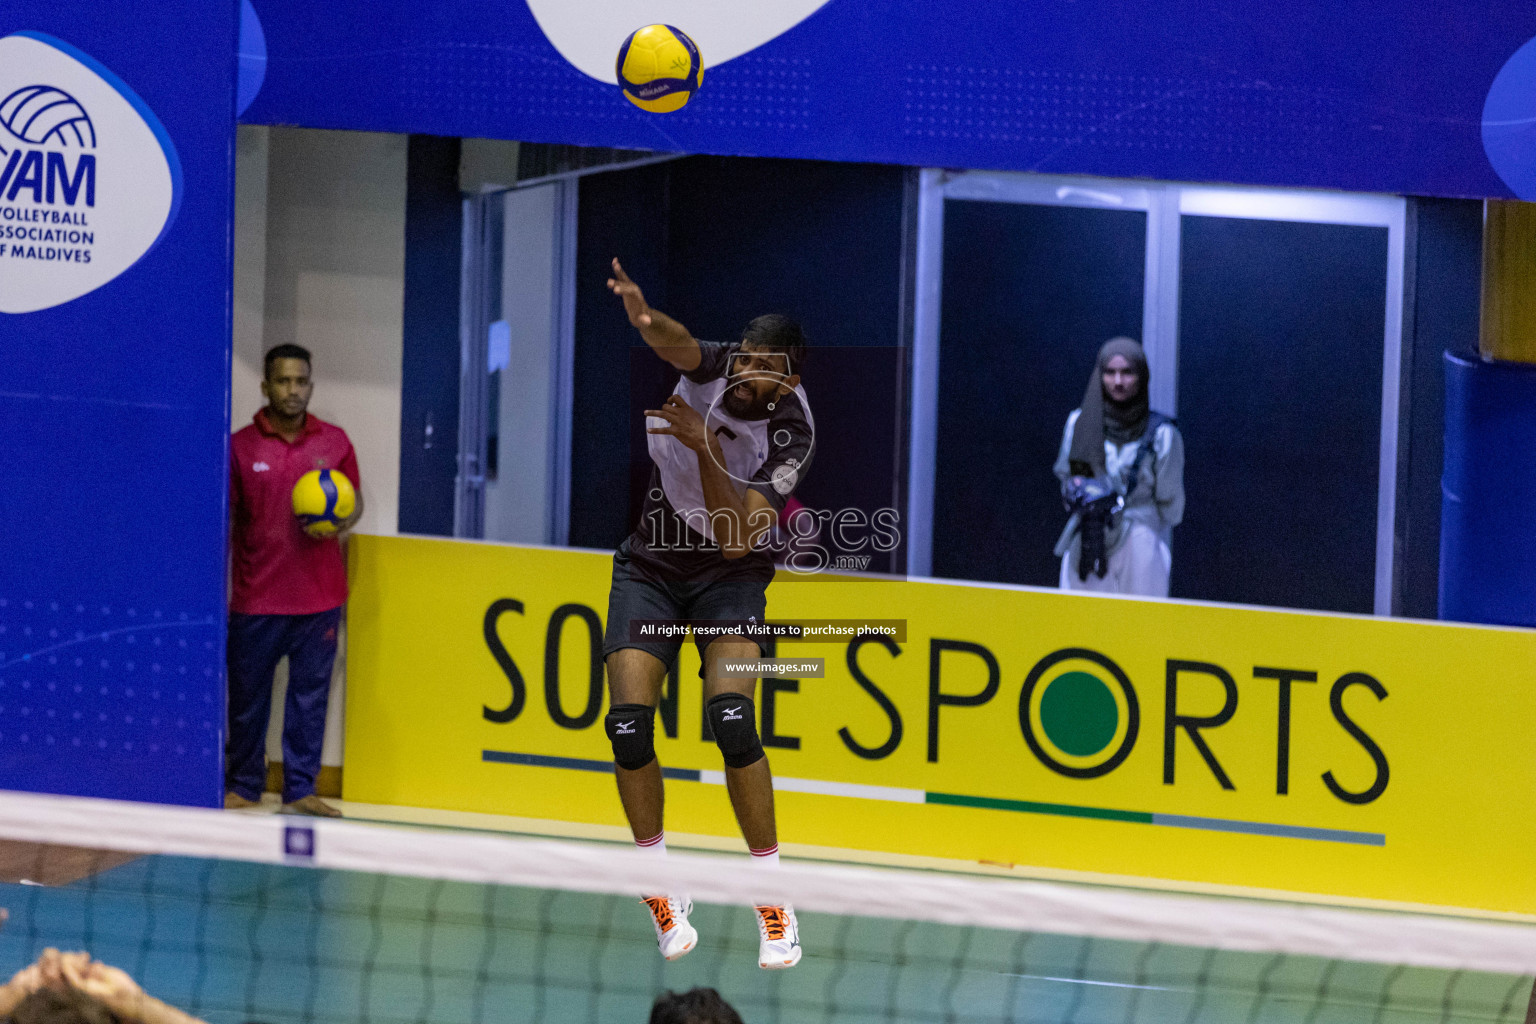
(1198, 744)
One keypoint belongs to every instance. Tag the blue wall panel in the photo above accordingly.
(1487, 547)
(429, 390)
(114, 406)
(1387, 96)
(1446, 279)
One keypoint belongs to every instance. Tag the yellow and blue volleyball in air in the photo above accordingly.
(659, 68)
(323, 499)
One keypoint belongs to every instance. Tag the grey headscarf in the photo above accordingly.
(1102, 419)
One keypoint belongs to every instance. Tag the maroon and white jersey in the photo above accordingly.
(770, 456)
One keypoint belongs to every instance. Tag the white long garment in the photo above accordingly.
(1141, 558)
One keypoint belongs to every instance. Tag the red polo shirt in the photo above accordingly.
(275, 567)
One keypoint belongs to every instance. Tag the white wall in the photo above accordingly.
(252, 145)
(320, 262)
(333, 256)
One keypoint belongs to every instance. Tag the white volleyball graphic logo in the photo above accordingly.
(89, 180)
(40, 113)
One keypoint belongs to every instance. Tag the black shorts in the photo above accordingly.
(638, 593)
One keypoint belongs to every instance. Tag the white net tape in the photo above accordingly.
(1415, 939)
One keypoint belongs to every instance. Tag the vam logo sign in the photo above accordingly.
(89, 180)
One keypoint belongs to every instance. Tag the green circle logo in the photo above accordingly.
(1078, 713)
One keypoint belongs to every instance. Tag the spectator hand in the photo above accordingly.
(108, 985)
(27, 980)
(1091, 494)
(22, 984)
(111, 985)
(350, 523)
(48, 972)
(52, 966)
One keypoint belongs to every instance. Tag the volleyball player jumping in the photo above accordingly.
(729, 445)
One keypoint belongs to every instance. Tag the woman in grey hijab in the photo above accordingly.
(1116, 450)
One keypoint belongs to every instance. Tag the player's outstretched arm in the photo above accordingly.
(667, 338)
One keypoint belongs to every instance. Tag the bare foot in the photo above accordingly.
(313, 806)
(235, 802)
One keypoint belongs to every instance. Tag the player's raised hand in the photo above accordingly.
(667, 338)
(634, 299)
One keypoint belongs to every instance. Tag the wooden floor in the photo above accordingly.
(46, 864)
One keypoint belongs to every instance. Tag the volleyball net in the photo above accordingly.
(239, 918)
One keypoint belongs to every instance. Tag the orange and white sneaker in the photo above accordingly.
(675, 937)
(779, 935)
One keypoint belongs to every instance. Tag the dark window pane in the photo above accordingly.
(1029, 295)
(1280, 342)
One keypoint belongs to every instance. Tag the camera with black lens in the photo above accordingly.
(1095, 504)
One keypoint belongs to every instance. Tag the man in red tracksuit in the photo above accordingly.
(287, 587)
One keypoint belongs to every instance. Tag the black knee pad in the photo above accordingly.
(733, 717)
(631, 728)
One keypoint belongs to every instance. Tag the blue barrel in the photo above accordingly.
(1488, 493)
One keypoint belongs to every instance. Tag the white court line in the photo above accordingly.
(785, 784)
